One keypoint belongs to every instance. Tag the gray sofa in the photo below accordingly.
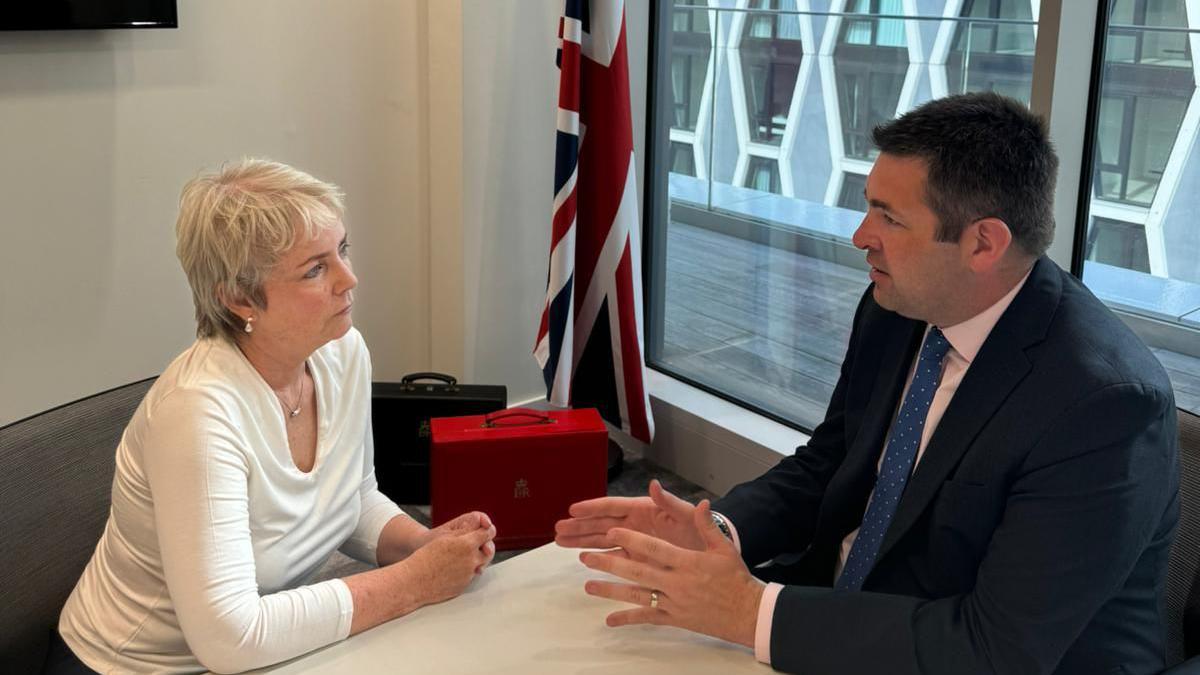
(1182, 611)
(55, 489)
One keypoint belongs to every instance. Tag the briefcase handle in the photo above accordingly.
(408, 380)
(539, 417)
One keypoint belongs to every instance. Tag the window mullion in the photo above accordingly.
(1065, 46)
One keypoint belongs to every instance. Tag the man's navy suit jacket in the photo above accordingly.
(1032, 536)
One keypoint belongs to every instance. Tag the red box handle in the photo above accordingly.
(539, 417)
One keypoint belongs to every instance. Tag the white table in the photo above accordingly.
(524, 616)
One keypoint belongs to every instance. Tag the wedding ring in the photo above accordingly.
(653, 599)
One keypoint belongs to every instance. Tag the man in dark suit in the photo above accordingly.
(994, 486)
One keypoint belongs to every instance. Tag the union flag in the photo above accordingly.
(589, 343)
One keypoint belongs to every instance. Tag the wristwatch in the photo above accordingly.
(722, 525)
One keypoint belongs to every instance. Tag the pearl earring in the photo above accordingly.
(249, 324)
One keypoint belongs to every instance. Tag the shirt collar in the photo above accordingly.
(967, 337)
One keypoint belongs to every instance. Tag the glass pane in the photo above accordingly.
(870, 79)
(683, 159)
(1129, 42)
(758, 276)
(1121, 11)
(1166, 48)
(761, 27)
(770, 52)
(858, 33)
(852, 196)
(1155, 127)
(868, 94)
(1121, 47)
(689, 21)
(1011, 38)
(763, 175)
(1110, 185)
(787, 26)
(693, 63)
(1143, 102)
(891, 31)
(1114, 242)
(1142, 252)
(691, 47)
(1112, 121)
(991, 53)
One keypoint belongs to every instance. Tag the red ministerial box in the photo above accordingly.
(522, 467)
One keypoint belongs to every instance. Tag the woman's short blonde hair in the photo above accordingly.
(233, 227)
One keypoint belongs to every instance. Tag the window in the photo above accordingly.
(994, 53)
(853, 194)
(1147, 83)
(752, 264)
(1119, 243)
(1141, 252)
(1129, 42)
(753, 278)
(689, 67)
(1137, 132)
(683, 160)
(871, 61)
(868, 95)
(874, 32)
(763, 175)
(690, 78)
(769, 51)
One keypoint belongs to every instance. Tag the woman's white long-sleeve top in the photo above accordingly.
(214, 530)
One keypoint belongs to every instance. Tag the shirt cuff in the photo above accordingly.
(762, 629)
(345, 603)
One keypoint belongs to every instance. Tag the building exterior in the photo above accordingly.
(783, 102)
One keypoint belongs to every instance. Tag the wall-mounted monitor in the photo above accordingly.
(86, 14)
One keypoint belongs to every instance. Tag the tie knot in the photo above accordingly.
(936, 345)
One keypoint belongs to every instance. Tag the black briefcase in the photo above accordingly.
(400, 413)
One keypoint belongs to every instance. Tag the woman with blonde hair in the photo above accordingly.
(250, 461)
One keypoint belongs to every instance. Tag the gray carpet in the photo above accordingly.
(632, 482)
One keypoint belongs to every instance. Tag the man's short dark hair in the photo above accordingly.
(988, 156)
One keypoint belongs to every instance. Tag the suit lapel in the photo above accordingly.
(998, 368)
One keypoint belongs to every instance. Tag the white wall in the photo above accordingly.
(510, 93)
(100, 129)
(435, 116)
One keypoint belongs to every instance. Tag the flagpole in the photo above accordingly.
(590, 342)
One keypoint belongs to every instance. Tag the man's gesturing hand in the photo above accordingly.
(708, 591)
(662, 515)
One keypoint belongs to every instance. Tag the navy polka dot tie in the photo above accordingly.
(898, 460)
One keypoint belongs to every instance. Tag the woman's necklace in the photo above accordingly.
(293, 410)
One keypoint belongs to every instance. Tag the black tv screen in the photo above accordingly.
(86, 14)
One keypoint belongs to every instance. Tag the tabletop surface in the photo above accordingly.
(526, 615)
